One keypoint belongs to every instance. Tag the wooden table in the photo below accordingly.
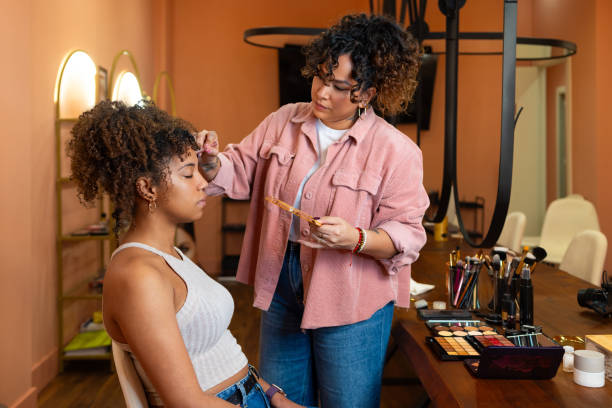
(449, 384)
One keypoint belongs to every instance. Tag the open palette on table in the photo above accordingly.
(451, 348)
(488, 354)
(459, 328)
(451, 338)
(509, 360)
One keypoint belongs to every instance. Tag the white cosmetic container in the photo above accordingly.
(589, 368)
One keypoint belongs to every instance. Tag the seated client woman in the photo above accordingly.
(157, 304)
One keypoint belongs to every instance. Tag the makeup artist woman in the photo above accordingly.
(328, 292)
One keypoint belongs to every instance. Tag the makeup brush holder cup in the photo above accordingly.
(499, 289)
(462, 289)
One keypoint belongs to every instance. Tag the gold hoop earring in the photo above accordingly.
(152, 206)
(362, 113)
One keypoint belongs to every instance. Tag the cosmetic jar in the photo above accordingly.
(439, 305)
(420, 304)
(568, 359)
(589, 368)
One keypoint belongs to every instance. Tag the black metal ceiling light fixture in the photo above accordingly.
(276, 37)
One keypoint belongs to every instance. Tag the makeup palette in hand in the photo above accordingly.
(293, 210)
(459, 328)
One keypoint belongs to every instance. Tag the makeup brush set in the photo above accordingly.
(523, 352)
(513, 290)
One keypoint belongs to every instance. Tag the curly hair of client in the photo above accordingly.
(114, 144)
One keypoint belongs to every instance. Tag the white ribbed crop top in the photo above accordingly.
(203, 321)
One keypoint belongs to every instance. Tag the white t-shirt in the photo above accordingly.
(326, 136)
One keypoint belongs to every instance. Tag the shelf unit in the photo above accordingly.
(233, 225)
(68, 294)
(476, 206)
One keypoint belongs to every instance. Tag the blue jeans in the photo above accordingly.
(256, 398)
(339, 366)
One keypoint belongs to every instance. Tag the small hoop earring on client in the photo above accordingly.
(152, 206)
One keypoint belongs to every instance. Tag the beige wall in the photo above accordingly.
(16, 278)
(587, 24)
(35, 37)
(575, 21)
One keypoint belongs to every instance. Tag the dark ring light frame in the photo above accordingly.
(508, 118)
(568, 47)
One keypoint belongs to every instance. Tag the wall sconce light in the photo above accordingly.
(126, 87)
(75, 86)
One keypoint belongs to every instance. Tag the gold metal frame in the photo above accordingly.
(61, 238)
(165, 74)
(111, 78)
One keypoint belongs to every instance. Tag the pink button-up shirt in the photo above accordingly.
(372, 177)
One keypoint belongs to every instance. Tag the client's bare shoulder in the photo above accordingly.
(134, 284)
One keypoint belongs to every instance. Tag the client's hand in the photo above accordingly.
(334, 233)
(280, 401)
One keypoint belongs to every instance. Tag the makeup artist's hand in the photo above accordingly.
(208, 142)
(334, 233)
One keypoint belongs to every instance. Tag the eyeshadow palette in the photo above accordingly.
(492, 340)
(459, 328)
(525, 356)
(451, 348)
(535, 363)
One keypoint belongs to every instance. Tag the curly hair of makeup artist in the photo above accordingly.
(113, 144)
(384, 56)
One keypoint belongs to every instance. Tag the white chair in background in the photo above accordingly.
(133, 391)
(564, 218)
(585, 256)
(575, 196)
(512, 233)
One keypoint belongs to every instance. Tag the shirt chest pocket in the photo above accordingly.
(275, 161)
(354, 194)
(279, 154)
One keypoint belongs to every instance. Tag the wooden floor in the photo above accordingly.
(92, 384)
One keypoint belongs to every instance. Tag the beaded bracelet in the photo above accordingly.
(361, 242)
